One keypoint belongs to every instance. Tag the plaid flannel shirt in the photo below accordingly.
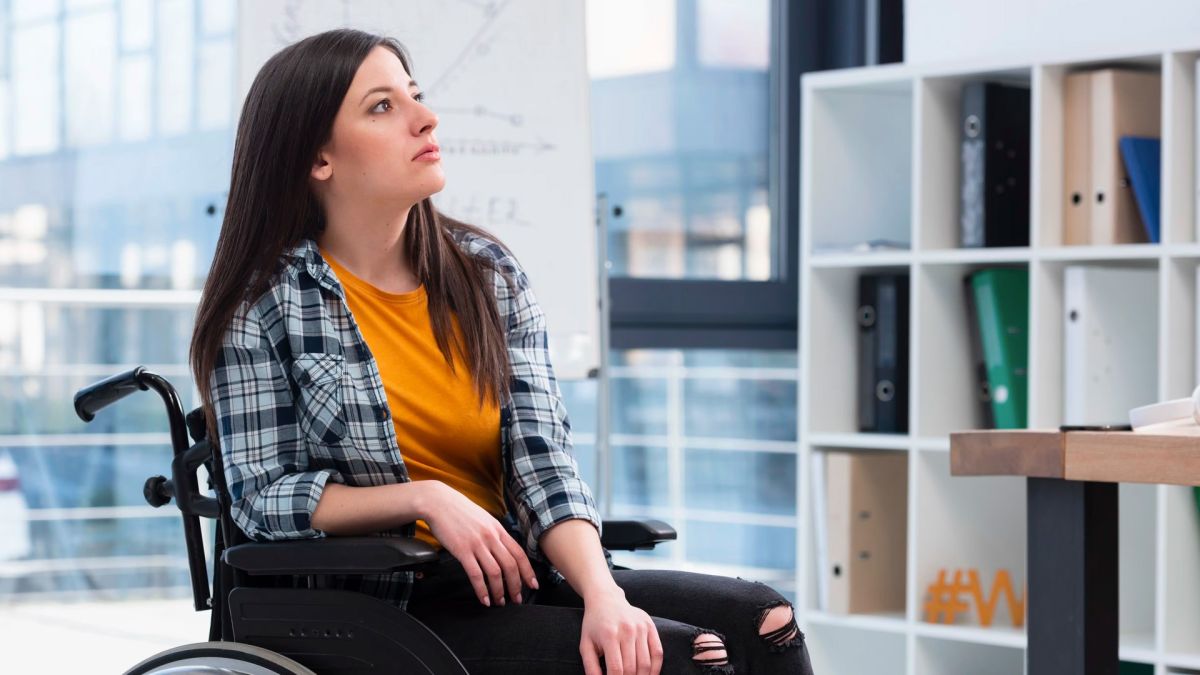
(299, 401)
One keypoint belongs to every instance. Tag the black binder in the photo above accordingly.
(994, 204)
(883, 353)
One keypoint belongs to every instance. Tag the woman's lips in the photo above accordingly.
(431, 153)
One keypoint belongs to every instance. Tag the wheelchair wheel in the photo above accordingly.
(218, 658)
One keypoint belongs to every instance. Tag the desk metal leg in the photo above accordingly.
(1072, 557)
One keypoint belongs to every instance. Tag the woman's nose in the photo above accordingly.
(426, 122)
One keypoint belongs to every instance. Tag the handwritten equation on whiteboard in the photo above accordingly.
(475, 208)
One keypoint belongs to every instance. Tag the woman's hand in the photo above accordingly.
(491, 558)
(623, 634)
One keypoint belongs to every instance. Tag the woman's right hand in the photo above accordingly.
(492, 559)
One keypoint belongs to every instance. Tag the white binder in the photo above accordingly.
(1110, 359)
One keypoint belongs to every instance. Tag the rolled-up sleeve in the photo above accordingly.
(272, 490)
(544, 482)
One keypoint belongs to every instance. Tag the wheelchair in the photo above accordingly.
(271, 612)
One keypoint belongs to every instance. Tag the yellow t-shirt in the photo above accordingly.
(442, 432)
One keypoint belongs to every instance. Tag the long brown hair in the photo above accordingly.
(287, 117)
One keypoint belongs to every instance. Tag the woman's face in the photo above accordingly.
(378, 134)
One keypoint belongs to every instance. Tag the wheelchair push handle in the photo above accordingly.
(96, 397)
(183, 485)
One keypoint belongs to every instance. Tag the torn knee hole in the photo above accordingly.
(777, 625)
(709, 649)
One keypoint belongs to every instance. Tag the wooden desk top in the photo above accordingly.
(1168, 455)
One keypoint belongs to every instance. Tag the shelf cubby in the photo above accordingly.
(1047, 387)
(813, 599)
(1181, 535)
(954, 657)
(939, 111)
(864, 148)
(1138, 505)
(963, 524)
(834, 306)
(948, 393)
(839, 648)
(1049, 132)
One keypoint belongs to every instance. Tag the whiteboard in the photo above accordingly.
(508, 80)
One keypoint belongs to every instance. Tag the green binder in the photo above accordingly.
(1002, 309)
(1132, 668)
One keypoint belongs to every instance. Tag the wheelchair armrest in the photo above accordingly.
(629, 535)
(330, 555)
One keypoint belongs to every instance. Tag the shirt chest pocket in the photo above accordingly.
(319, 404)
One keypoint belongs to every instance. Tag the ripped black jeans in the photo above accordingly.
(541, 636)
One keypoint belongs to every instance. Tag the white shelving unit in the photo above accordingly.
(880, 161)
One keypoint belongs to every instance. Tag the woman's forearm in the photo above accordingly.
(344, 510)
(573, 546)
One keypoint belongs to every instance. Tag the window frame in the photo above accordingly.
(806, 35)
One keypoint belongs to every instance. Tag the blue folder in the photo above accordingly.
(1142, 162)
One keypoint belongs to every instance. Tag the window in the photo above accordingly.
(680, 121)
(685, 100)
(706, 441)
(113, 168)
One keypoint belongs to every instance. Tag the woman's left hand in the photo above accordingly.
(623, 634)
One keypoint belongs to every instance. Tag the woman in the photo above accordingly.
(375, 367)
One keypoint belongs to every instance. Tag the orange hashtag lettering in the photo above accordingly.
(945, 603)
(1003, 584)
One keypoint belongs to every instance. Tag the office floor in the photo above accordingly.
(94, 637)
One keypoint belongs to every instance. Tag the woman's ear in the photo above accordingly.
(322, 170)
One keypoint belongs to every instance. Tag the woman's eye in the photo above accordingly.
(419, 98)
